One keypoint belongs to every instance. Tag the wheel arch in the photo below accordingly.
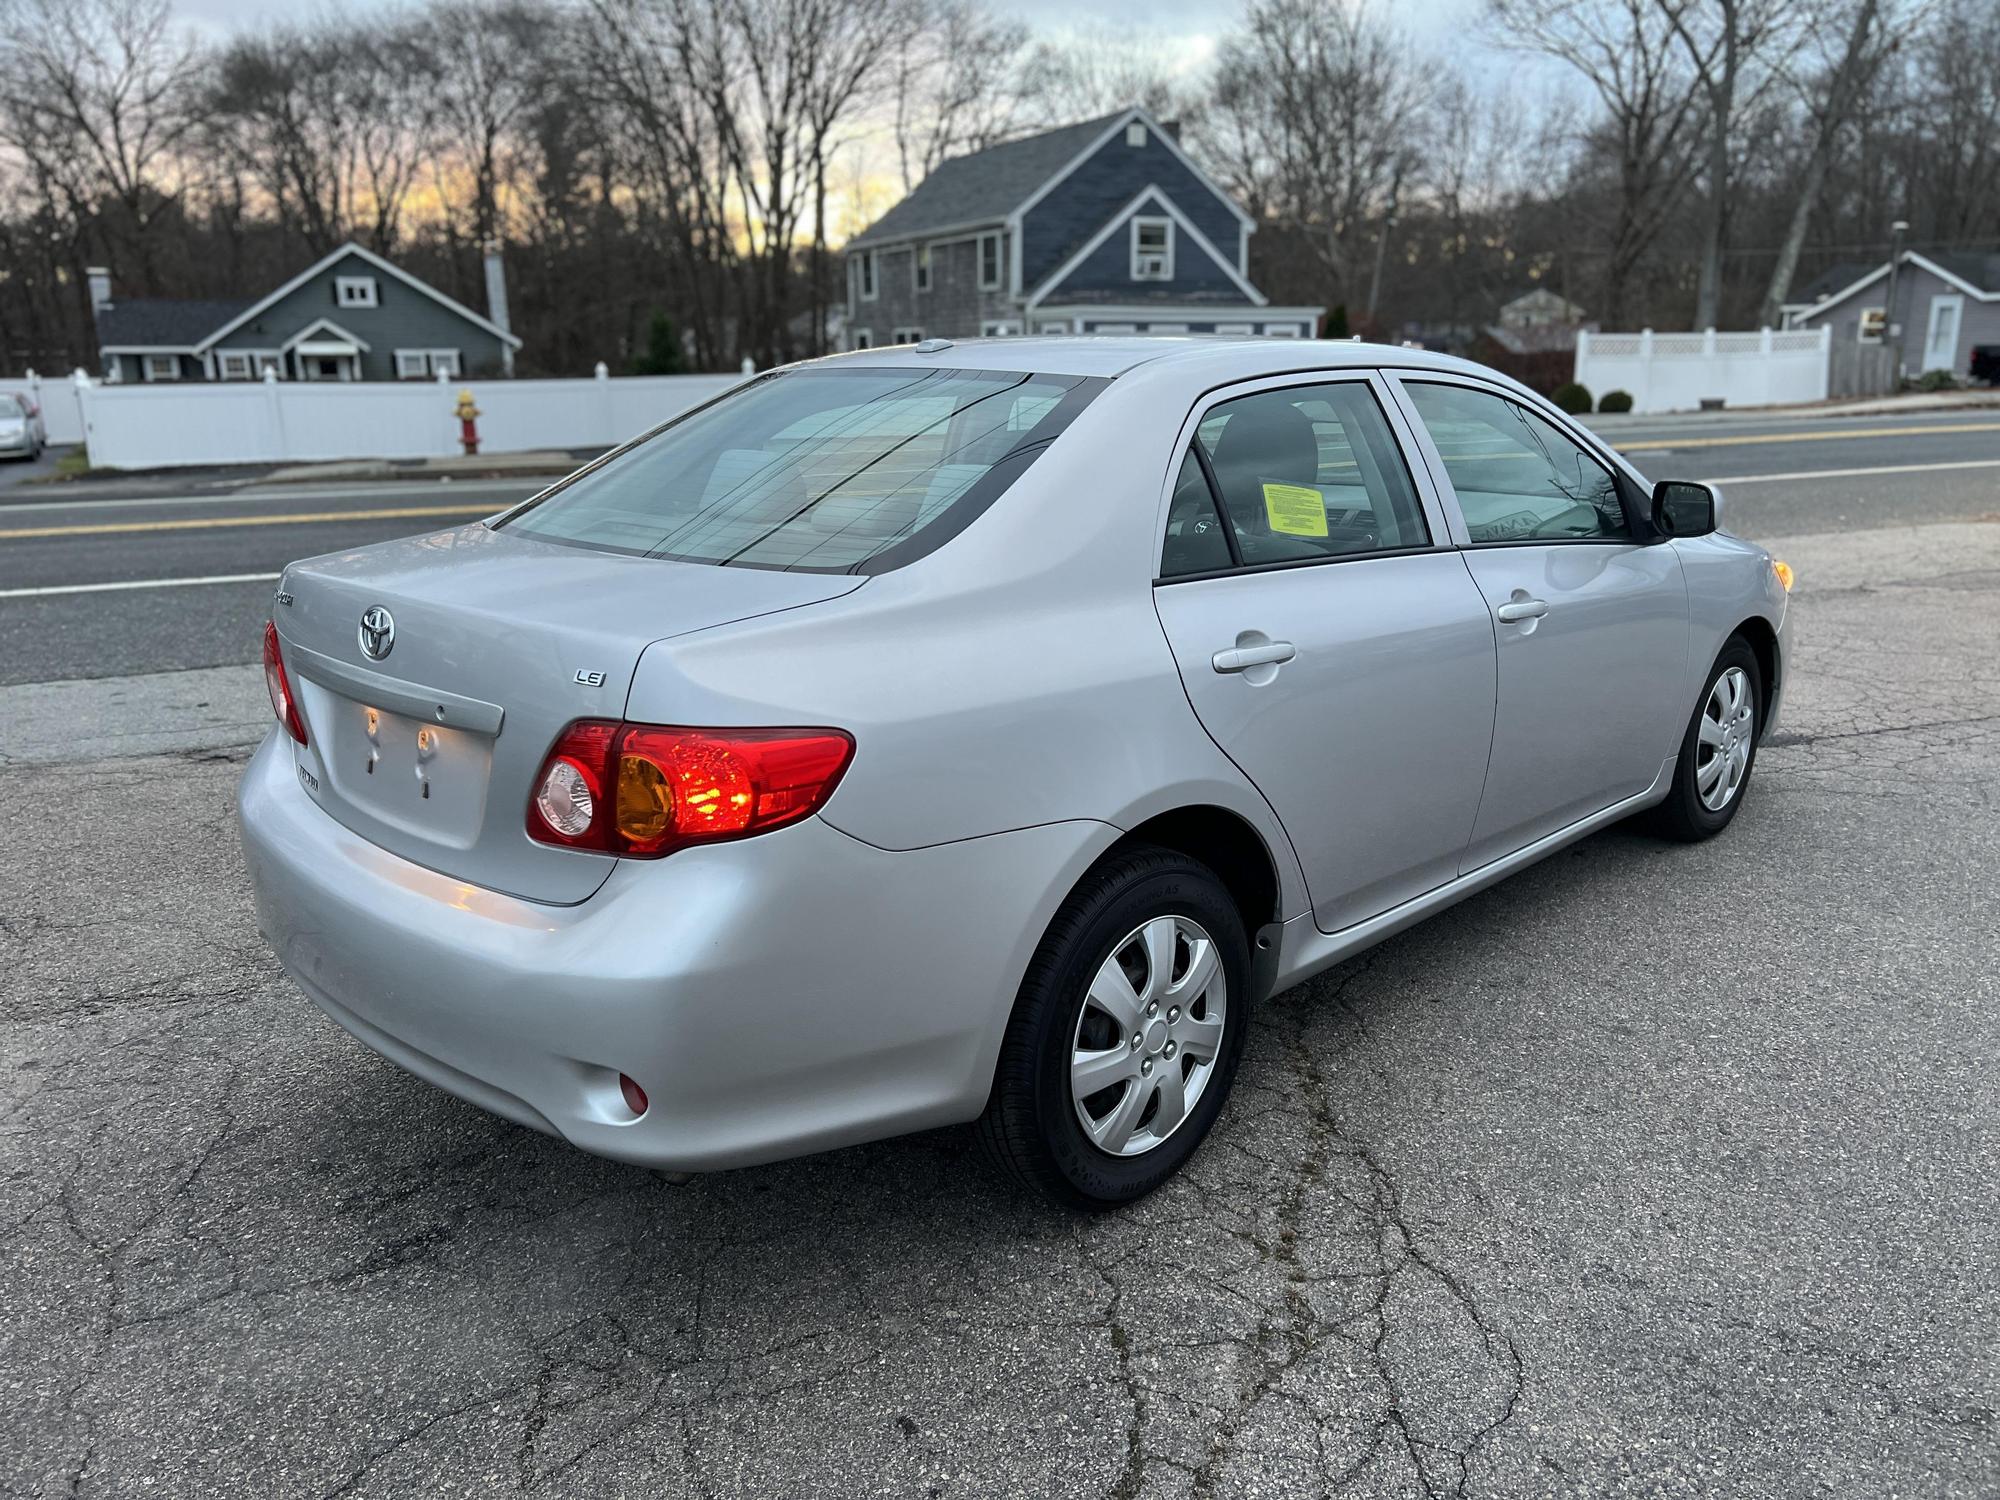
(1225, 842)
(1762, 640)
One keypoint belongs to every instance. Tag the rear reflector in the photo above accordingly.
(635, 1097)
(280, 689)
(645, 790)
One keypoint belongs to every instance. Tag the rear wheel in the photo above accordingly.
(1126, 1035)
(1719, 750)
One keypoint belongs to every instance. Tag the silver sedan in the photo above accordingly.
(979, 733)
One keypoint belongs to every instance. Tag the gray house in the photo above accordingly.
(351, 316)
(1102, 227)
(1946, 305)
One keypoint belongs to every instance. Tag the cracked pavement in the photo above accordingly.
(1654, 1171)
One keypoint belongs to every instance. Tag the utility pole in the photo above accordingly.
(1892, 331)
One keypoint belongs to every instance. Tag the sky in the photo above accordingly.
(1192, 26)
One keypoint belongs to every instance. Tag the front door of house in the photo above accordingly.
(1941, 340)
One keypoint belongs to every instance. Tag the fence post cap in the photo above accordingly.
(603, 371)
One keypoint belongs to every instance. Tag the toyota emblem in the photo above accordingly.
(378, 632)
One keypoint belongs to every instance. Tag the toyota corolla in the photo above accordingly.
(979, 733)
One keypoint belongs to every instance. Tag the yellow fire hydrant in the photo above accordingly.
(468, 419)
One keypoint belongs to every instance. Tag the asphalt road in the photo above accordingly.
(1658, 1171)
(1781, 476)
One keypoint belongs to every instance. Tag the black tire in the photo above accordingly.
(1683, 815)
(1030, 1127)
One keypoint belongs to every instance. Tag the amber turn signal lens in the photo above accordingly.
(645, 800)
(1784, 573)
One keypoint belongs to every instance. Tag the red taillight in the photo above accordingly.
(278, 687)
(644, 790)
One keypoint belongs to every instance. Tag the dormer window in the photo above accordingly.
(354, 291)
(1152, 249)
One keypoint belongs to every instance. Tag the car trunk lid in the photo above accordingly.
(487, 645)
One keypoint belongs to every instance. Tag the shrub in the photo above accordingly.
(1336, 322)
(1616, 401)
(1937, 380)
(1572, 398)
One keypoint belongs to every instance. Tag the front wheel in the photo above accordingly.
(1126, 1035)
(1719, 750)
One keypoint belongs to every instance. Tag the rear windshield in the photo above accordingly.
(823, 470)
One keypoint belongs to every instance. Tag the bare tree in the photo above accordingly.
(96, 96)
(1850, 40)
(1737, 49)
(1080, 74)
(1628, 53)
(331, 126)
(1316, 118)
(955, 85)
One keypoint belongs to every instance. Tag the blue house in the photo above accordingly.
(350, 316)
(1103, 227)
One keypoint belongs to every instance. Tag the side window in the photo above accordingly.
(1518, 478)
(1311, 471)
(1195, 541)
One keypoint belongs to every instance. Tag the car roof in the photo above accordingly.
(1109, 356)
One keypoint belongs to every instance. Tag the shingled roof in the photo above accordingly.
(161, 322)
(984, 186)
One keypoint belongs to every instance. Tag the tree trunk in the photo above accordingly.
(1842, 95)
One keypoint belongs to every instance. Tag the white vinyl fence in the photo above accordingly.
(272, 421)
(1679, 371)
(56, 396)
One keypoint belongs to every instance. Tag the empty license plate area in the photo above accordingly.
(429, 779)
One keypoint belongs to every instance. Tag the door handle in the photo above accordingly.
(1516, 610)
(1242, 658)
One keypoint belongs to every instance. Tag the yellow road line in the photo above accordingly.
(207, 523)
(1753, 438)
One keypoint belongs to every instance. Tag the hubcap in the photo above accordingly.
(1725, 739)
(1148, 1037)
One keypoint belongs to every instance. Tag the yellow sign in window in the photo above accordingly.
(1295, 510)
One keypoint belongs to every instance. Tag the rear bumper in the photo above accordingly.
(781, 995)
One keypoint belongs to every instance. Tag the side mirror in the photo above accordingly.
(1681, 507)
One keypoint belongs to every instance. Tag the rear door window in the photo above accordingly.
(827, 470)
(1310, 472)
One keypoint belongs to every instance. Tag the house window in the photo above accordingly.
(1166, 328)
(163, 367)
(1113, 328)
(907, 336)
(1054, 325)
(1873, 321)
(1236, 328)
(861, 338)
(1135, 134)
(1152, 249)
(990, 262)
(354, 291)
(923, 265)
(236, 365)
(1282, 331)
(866, 261)
(998, 328)
(421, 364)
(270, 364)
